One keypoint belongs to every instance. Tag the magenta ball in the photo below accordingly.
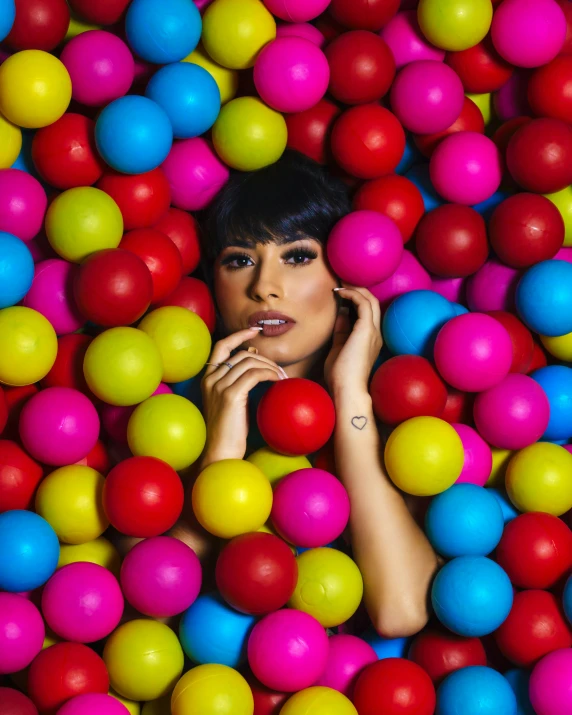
(82, 602)
(478, 456)
(550, 685)
(161, 577)
(195, 174)
(427, 96)
(59, 426)
(288, 650)
(365, 248)
(406, 41)
(492, 287)
(310, 508)
(21, 633)
(291, 74)
(528, 33)
(93, 704)
(303, 30)
(296, 10)
(409, 275)
(13, 702)
(466, 168)
(23, 203)
(100, 65)
(450, 288)
(511, 99)
(473, 352)
(51, 295)
(347, 657)
(564, 254)
(512, 414)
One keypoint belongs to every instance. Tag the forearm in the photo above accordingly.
(394, 556)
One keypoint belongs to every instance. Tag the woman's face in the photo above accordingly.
(291, 278)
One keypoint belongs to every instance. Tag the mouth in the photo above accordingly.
(271, 322)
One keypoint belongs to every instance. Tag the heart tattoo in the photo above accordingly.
(359, 422)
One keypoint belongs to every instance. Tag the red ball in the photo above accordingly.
(550, 89)
(329, 27)
(143, 496)
(469, 120)
(506, 131)
(64, 153)
(535, 550)
(364, 14)
(441, 652)
(394, 686)
(535, 626)
(368, 141)
(459, 407)
(142, 198)
(63, 671)
(161, 257)
(396, 197)
(309, 132)
(521, 338)
(525, 229)
(113, 287)
(16, 398)
(362, 67)
(97, 458)
(256, 573)
(67, 370)
(451, 241)
(102, 12)
(19, 477)
(39, 25)
(296, 416)
(194, 295)
(539, 156)
(566, 8)
(3, 410)
(480, 68)
(13, 702)
(182, 229)
(407, 386)
(266, 701)
(538, 358)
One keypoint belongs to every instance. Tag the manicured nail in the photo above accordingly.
(256, 327)
(335, 289)
(284, 373)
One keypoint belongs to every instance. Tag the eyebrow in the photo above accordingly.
(279, 241)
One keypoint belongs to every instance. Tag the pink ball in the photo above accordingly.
(21, 632)
(100, 65)
(407, 42)
(512, 414)
(347, 657)
(492, 287)
(288, 650)
(161, 577)
(473, 352)
(23, 203)
(550, 685)
(115, 419)
(564, 254)
(528, 33)
(451, 288)
(296, 10)
(466, 168)
(310, 508)
(93, 704)
(13, 702)
(303, 30)
(478, 456)
(59, 425)
(291, 74)
(427, 96)
(511, 99)
(409, 275)
(195, 174)
(82, 602)
(51, 295)
(365, 248)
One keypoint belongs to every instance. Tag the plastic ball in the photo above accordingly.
(556, 381)
(296, 10)
(480, 68)
(93, 704)
(7, 17)
(28, 346)
(563, 202)
(183, 230)
(201, 690)
(21, 633)
(451, 288)
(476, 690)
(440, 653)
(107, 12)
(304, 30)
(22, 204)
(469, 120)
(39, 25)
(507, 508)
(492, 287)
(543, 298)
(100, 551)
(194, 295)
(363, 14)
(226, 79)
(478, 460)
(521, 338)
(309, 131)
(274, 465)
(456, 24)
(549, 686)
(547, 89)
(67, 370)
(14, 702)
(347, 657)
(11, 143)
(144, 659)
(319, 700)
(408, 276)
(406, 42)
(16, 270)
(19, 477)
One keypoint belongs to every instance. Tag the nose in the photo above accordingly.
(266, 282)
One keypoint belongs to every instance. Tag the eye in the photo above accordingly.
(300, 256)
(234, 261)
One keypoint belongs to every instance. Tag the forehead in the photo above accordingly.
(252, 243)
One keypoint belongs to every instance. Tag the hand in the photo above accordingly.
(354, 352)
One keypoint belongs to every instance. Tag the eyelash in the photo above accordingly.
(306, 252)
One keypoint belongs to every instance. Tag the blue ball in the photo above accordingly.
(24, 162)
(476, 690)
(486, 208)
(464, 520)
(211, 631)
(29, 551)
(386, 647)
(567, 599)
(7, 17)
(133, 134)
(472, 596)
(163, 31)
(459, 309)
(544, 298)
(556, 381)
(419, 175)
(412, 321)
(189, 95)
(507, 507)
(16, 269)
(518, 680)
(411, 156)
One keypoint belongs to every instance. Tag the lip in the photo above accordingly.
(271, 331)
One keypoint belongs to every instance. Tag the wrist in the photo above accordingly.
(347, 395)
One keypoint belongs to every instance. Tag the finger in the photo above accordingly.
(362, 304)
(342, 327)
(223, 369)
(223, 348)
(250, 363)
(375, 306)
(250, 379)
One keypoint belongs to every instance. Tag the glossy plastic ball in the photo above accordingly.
(475, 690)
(521, 338)
(183, 231)
(478, 460)
(93, 704)
(363, 14)
(408, 276)
(51, 294)
(492, 287)
(547, 89)
(556, 381)
(480, 68)
(549, 685)
(16, 703)
(348, 655)
(406, 41)
(309, 131)
(296, 10)
(543, 297)
(200, 690)
(194, 295)
(16, 270)
(22, 204)
(39, 25)
(22, 633)
(440, 652)
(28, 346)
(454, 24)
(320, 701)
(143, 199)
(19, 477)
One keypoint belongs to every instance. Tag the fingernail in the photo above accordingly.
(256, 327)
(284, 373)
(335, 289)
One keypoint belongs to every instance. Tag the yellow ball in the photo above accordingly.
(77, 26)
(122, 366)
(424, 456)
(28, 346)
(454, 24)
(563, 201)
(248, 135)
(485, 104)
(10, 143)
(162, 706)
(539, 478)
(182, 338)
(100, 551)
(226, 79)
(70, 500)
(144, 659)
(560, 347)
(212, 690)
(501, 458)
(329, 586)
(318, 700)
(131, 706)
(168, 427)
(234, 31)
(231, 497)
(50, 639)
(81, 221)
(35, 89)
(275, 465)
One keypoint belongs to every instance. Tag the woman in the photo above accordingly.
(281, 313)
